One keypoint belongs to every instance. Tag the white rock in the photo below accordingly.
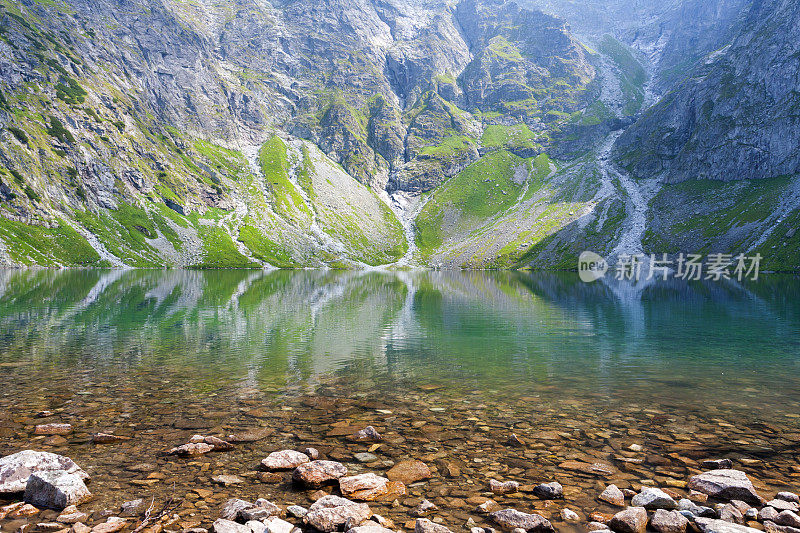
(15, 469)
(55, 490)
(284, 460)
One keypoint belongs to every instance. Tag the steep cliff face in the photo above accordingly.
(736, 117)
(137, 127)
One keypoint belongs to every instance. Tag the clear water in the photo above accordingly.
(699, 370)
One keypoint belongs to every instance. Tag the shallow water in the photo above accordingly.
(445, 364)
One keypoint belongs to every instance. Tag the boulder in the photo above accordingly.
(783, 505)
(409, 471)
(713, 525)
(788, 497)
(725, 485)
(652, 498)
(318, 473)
(512, 519)
(665, 521)
(55, 490)
(370, 528)
(284, 460)
(261, 510)
(363, 486)
(631, 520)
(15, 469)
(787, 518)
(111, 525)
(329, 513)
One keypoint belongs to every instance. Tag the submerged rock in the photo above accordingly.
(15, 469)
(192, 449)
(53, 429)
(504, 487)
(549, 491)
(261, 510)
(369, 433)
(424, 509)
(726, 485)
(55, 490)
(512, 519)
(107, 438)
(284, 460)
(317, 473)
(409, 471)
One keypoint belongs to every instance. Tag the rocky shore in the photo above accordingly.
(47, 492)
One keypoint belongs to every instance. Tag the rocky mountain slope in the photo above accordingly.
(476, 133)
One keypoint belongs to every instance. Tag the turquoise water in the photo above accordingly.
(445, 364)
(521, 332)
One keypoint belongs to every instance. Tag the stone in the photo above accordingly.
(365, 457)
(788, 497)
(252, 435)
(409, 471)
(713, 525)
(260, 510)
(596, 526)
(730, 513)
(369, 528)
(423, 525)
(783, 505)
(297, 511)
(278, 525)
(331, 512)
(19, 510)
(284, 460)
(726, 485)
(107, 438)
(512, 519)
(55, 490)
(507, 487)
(221, 525)
(80, 528)
(718, 464)
(489, 506)
(313, 453)
(50, 526)
(597, 469)
(226, 480)
(768, 514)
(787, 518)
(318, 473)
(71, 515)
(631, 520)
(15, 469)
(132, 508)
(692, 508)
(192, 449)
(111, 525)
(369, 433)
(363, 486)
(549, 491)
(665, 521)
(53, 429)
(424, 509)
(568, 515)
(515, 441)
(613, 495)
(652, 498)
(256, 526)
(230, 511)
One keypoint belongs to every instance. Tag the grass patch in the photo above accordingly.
(264, 248)
(18, 133)
(58, 131)
(220, 250)
(36, 245)
(275, 166)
